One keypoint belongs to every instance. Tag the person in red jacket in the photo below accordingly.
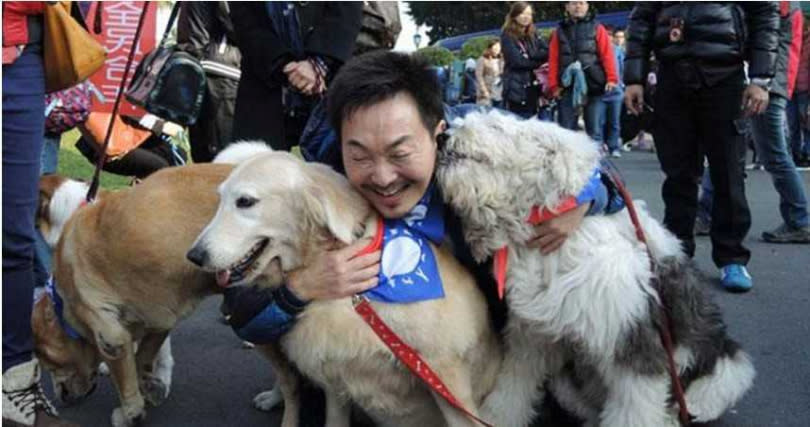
(798, 108)
(580, 38)
(24, 403)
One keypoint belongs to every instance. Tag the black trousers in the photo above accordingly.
(213, 129)
(260, 115)
(690, 123)
(154, 154)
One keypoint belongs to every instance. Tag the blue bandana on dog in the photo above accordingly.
(409, 272)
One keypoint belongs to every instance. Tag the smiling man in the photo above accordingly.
(388, 114)
(389, 154)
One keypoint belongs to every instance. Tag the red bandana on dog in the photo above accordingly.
(537, 215)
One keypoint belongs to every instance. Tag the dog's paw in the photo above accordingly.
(120, 417)
(267, 400)
(103, 369)
(154, 389)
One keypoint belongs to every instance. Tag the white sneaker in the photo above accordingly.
(24, 402)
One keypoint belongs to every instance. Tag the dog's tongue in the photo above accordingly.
(223, 276)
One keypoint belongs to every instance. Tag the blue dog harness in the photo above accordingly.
(58, 308)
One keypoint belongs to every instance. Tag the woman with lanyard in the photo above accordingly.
(523, 52)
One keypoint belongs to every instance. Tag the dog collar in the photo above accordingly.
(376, 242)
(58, 308)
(536, 216)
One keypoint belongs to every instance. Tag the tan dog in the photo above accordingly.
(121, 270)
(278, 213)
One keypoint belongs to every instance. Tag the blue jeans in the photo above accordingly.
(42, 253)
(773, 153)
(50, 154)
(593, 109)
(545, 114)
(49, 163)
(610, 120)
(799, 136)
(771, 147)
(23, 123)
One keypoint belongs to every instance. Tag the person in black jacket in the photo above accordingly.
(523, 52)
(205, 30)
(770, 140)
(289, 53)
(701, 81)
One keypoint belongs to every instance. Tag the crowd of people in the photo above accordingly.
(291, 56)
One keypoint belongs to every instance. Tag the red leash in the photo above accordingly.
(403, 352)
(665, 329)
(407, 355)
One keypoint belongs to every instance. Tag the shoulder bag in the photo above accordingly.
(70, 53)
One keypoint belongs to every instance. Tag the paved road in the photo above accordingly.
(215, 379)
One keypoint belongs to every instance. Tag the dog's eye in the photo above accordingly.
(245, 202)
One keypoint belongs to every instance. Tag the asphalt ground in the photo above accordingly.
(215, 378)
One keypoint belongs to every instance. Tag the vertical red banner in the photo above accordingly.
(119, 23)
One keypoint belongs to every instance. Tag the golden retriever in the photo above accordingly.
(277, 214)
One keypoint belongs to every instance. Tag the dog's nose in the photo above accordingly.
(198, 255)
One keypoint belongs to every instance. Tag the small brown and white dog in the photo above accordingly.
(120, 270)
(280, 213)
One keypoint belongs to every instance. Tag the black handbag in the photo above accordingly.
(169, 82)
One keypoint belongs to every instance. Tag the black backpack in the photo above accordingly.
(169, 82)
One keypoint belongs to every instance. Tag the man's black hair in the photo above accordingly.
(378, 76)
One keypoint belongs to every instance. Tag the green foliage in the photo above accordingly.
(436, 55)
(448, 19)
(474, 47)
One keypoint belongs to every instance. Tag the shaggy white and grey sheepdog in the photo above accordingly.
(583, 320)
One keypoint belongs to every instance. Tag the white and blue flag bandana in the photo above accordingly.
(409, 272)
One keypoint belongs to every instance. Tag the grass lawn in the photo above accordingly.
(73, 164)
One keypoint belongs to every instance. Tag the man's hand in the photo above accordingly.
(754, 100)
(610, 86)
(556, 93)
(634, 99)
(303, 77)
(337, 274)
(551, 234)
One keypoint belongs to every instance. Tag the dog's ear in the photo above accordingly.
(333, 203)
(43, 309)
(43, 209)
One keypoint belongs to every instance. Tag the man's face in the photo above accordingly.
(577, 9)
(618, 38)
(389, 155)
